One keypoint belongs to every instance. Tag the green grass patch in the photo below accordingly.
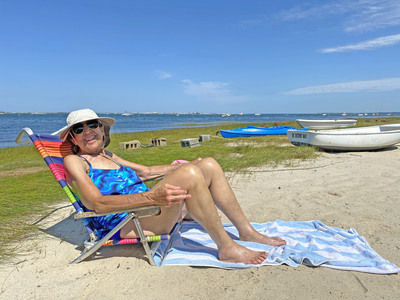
(252, 151)
(15, 158)
(23, 198)
(377, 121)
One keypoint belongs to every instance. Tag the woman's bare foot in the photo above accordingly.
(257, 237)
(239, 254)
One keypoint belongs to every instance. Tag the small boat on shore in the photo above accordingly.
(349, 139)
(256, 131)
(326, 124)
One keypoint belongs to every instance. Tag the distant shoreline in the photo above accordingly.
(344, 114)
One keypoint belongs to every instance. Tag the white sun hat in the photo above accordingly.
(83, 115)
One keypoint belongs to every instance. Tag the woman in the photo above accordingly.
(105, 182)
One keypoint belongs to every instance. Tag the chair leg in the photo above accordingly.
(154, 247)
(176, 228)
(144, 242)
(93, 248)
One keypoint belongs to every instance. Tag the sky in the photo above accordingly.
(225, 56)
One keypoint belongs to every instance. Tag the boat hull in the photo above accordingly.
(256, 131)
(353, 139)
(326, 124)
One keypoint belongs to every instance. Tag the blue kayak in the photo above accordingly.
(257, 131)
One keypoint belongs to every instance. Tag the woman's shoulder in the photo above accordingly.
(73, 161)
(75, 166)
(71, 158)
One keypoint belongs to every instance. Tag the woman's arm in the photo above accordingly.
(91, 197)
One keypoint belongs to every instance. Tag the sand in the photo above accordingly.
(358, 190)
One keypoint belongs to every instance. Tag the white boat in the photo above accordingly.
(326, 124)
(349, 139)
(388, 127)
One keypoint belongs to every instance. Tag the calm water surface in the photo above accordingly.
(12, 123)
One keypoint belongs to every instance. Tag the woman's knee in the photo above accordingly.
(209, 163)
(190, 173)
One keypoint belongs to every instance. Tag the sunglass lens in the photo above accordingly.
(77, 129)
(93, 124)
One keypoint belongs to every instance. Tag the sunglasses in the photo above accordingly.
(78, 128)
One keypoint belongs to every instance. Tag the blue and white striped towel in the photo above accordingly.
(311, 243)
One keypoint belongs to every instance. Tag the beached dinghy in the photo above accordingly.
(326, 124)
(349, 139)
(256, 131)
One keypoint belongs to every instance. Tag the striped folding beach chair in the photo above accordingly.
(53, 151)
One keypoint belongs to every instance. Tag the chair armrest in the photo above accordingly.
(147, 210)
(25, 130)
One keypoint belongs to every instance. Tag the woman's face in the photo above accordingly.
(88, 135)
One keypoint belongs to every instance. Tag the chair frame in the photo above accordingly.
(93, 244)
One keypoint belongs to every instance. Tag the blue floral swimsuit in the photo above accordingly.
(121, 181)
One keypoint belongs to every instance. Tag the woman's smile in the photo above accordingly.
(90, 138)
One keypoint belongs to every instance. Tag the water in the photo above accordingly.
(12, 123)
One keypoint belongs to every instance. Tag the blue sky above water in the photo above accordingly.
(200, 56)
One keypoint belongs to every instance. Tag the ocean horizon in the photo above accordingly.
(45, 122)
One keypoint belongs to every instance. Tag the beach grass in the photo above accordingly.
(28, 189)
(251, 151)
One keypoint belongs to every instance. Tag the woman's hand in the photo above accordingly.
(195, 161)
(182, 162)
(168, 195)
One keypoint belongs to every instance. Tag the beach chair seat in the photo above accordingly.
(53, 151)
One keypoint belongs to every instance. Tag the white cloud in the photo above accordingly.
(359, 15)
(386, 84)
(373, 15)
(305, 11)
(211, 90)
(163, 75)
(366, 45)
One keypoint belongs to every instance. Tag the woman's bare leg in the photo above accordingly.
(226, 201)
(202, 208)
